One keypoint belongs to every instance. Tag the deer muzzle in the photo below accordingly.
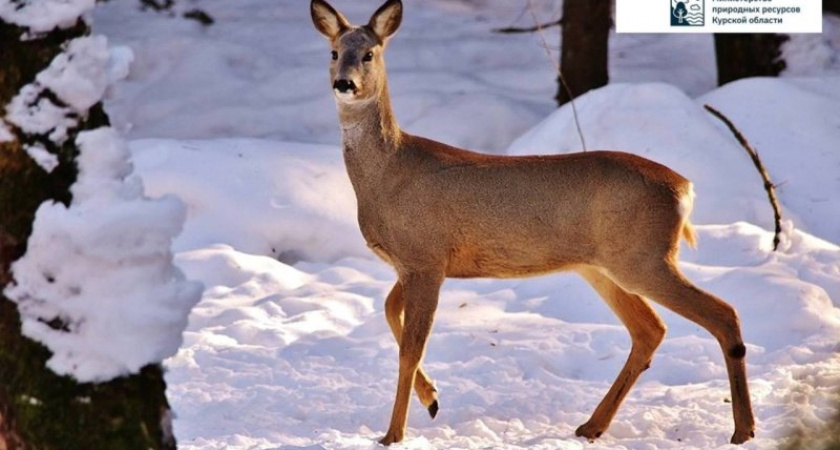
(344, 86)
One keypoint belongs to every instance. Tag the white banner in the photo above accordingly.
(718, 16)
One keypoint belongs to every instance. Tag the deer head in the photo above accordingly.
(357, 68)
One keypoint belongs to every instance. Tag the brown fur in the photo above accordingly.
(434, 211)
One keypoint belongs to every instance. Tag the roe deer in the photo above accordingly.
(433, 211)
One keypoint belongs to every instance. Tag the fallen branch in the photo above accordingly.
(532, 29)
(768, 185)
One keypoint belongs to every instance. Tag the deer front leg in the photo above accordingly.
(423, 384)
(420, 292)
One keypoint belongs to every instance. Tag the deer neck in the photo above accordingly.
(370, 135)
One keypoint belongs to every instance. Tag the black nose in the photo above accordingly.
(344, 86)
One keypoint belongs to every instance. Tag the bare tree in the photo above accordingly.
(742, 55)
(39, 409)
(832, 6)
(584, 55)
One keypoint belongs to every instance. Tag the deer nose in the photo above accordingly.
(344, 86)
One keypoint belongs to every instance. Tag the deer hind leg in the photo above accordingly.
(646, 331)
(423, 384)
(663, 283)
(420, 293)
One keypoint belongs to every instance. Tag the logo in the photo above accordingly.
(687, 13)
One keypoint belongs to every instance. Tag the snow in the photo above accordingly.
(45, 159)
(78, 77)
(289, 348)
(5, 133)
(809, 188)
(813, 54)
(41, 16)
(660, 122)
(35, 114)
(286, 200)
(97, 285)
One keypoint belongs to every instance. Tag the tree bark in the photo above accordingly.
(748, 55)
(584, 55)
(39, 409)
(832, 6)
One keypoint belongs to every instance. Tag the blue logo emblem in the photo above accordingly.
(687, 13)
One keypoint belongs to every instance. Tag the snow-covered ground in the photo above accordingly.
(289, 348)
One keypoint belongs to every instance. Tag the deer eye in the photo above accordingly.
(334, 55)
(368, 57)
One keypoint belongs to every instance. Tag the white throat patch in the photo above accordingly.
(345, 97)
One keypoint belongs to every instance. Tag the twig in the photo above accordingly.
(199, 16)
(164, 5)
(768, 185)
(537, 27)
(559, 73)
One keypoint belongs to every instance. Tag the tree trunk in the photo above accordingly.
(585, 33)
(832, 6)
(39, 409)
(748, 55)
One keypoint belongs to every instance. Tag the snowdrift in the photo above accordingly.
(792, 123)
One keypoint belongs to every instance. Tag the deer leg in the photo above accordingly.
(646, 331)
(420, 292)
(423, 385)
(665, 284)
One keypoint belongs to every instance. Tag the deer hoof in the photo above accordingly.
(589, 431)
(433, 409)
(742, 436)
(391, 437)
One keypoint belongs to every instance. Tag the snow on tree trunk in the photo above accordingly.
(71, 287)
(584, 55)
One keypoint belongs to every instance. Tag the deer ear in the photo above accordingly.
(385, 21)
(327, 20)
